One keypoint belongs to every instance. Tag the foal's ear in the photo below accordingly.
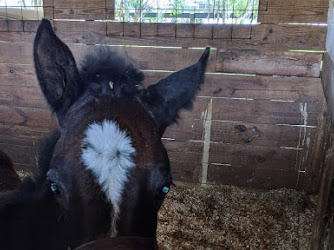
(56, 70)
(165, 98)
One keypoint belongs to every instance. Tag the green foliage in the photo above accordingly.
(133, 10)
(176, 9)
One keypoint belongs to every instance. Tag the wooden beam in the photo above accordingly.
(288, 89)
(264, 62)
(265, 112)
(323, 228)
(281, 37)
(285, 11)
(325, 208)
(185, 170)
(19, 86)
(84, 9)
(158, 58)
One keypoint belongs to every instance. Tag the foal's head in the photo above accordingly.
(109, 155)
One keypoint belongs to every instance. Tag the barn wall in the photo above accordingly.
(323, 228)
(257, 121)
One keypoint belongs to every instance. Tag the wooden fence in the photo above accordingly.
(258, 120)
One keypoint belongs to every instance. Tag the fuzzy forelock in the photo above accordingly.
(107, 151)
(102, 58)
(112, 65)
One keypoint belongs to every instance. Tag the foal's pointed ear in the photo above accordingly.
(56, 70)
(165, 98)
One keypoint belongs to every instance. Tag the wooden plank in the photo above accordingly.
(258, 167)
(161, 58)
(138, 30)
(22, 96)
(89, 30)
(185, 159)
(323, 226)
(185, 129)
(144, 58)
(16, 53)
(310, 166)
(263, 62)
(182, 31)
(19, 26)
(299, 89)
(20, 155)
(241, 156)
(22, 135)
(293, 14)
(21, 144)
(197, 111)
(252, 178)
(179, 31)
(25, 116)
(87, 10)
(263, 146)
(312, 3)
(285, 37)
(17, 75)
(284, 137)
(266, 112)
(323, 223)
(303, 11)
(327, 75)
(26, 96)
(10, 25)
(273, 36)
(267, 36)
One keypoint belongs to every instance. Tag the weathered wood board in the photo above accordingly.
(298, 11)
(264, 62)
(323, 228)
(86, 10)
(277, 88)
(279, 37)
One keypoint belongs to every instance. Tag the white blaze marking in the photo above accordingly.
(107, 151)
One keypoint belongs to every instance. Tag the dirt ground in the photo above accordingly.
(224, 217)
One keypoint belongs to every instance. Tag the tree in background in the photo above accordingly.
(133, 10)
(215, 11)
(176, 9)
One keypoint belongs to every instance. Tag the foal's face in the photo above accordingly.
(116, 144)
(109, 160)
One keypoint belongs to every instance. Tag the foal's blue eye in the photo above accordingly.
(165, 190)
(54, 187)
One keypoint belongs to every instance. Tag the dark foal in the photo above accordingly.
(105, 171)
